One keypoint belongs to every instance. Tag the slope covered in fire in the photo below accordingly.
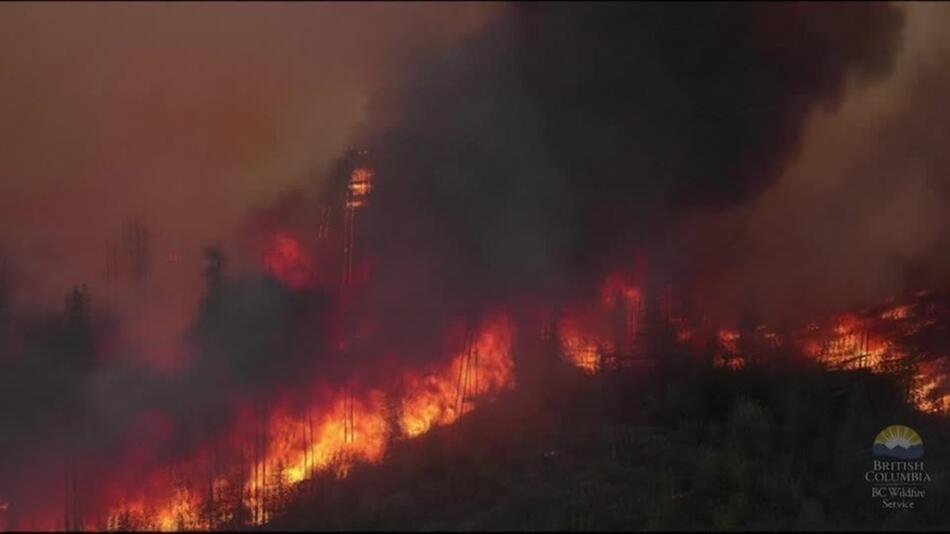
(771, 446)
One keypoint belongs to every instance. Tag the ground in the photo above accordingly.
(686, 446)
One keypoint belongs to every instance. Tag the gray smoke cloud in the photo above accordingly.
(859, 216)
(525, 164)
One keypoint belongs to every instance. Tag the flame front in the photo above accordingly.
(875, 340)
(301, 444)
(343, 426)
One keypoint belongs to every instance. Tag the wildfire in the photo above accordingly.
(339, 429)
(352, 424)
(359, 187)
(585, 342)
(848, 345)
(319, 439)
(729, 339)
(583, 352)
(899, 312)
(286, 259)
(684, 332)
(849, 341)
(441, 397)
(302, 444)
(617, 286)
(729, 354)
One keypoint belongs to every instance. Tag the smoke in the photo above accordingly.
(859, 216)
(184, 114)
(548, 149)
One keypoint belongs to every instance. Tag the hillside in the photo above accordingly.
(688, 447)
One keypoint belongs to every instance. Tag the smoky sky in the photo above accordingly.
(527, 162)
(859, 215)
(184, 113)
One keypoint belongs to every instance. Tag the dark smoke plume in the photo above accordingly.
(525, 163)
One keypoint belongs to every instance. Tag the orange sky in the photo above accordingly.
(191, 114)
(867, 197)
(185, 113)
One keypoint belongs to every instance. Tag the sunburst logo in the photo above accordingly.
(898, 441)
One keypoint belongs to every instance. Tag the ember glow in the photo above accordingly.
(359, 187)
(286, 260)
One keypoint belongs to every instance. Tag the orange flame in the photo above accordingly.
(436, 397)
(359, 187)
(580, 350)
(287, 260)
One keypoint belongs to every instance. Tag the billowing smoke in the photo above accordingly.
(551, 147)
(860, 216)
